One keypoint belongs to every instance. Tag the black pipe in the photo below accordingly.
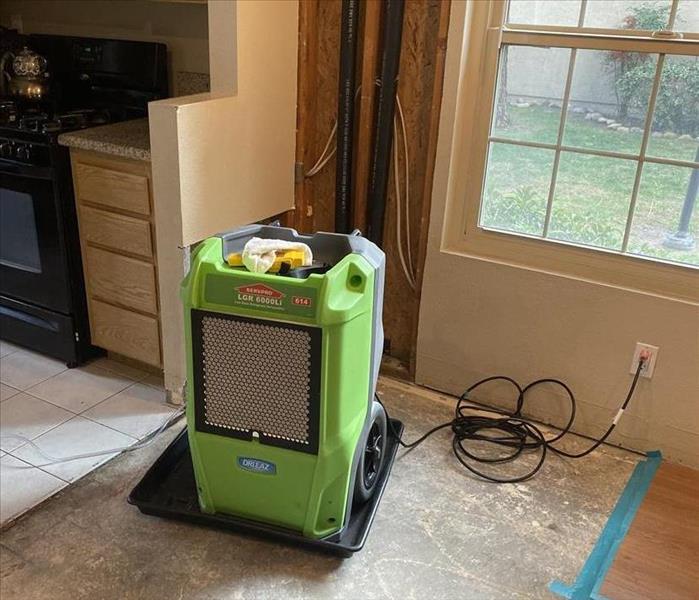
(345, 115)
(689, 199)
(383, 131)
(682, 239)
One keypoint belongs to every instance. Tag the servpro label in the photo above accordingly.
(259, 294)
(278, 297)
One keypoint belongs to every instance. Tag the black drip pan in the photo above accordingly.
(168, 490)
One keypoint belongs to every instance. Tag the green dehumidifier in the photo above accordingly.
(283, 430)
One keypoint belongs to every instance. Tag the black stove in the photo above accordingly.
(93, 82)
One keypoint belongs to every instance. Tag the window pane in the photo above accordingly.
(609, 100)
(530, 89)
(544, 12)
(591, 200)
(516, 188)
(658, 228)
(627, 14)
(675, 130)
(687, 16)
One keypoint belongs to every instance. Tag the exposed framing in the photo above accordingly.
(301, 218)
(422, 56)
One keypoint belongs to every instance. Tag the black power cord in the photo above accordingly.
(509, 430)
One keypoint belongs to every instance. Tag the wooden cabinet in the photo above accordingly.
(117, 237)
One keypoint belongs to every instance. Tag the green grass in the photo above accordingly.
(592, 193)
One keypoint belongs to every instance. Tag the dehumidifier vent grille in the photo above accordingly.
(257, 378)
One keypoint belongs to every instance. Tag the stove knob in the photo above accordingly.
(6, 149)
(21, 152)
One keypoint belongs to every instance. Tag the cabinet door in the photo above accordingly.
(125, 332)
(112, 188)
(116, 231)
(121, 280)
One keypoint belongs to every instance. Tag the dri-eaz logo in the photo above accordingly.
(255, 465)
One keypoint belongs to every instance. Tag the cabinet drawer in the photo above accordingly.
(116, 231)
(122, 280)
(125, 332)
(115, 189)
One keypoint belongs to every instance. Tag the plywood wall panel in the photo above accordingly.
(415, 90)
(327, 72)
(301, 217)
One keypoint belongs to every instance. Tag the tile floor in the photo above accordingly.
(66, 412)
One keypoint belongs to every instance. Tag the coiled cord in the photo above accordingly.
(509, 430)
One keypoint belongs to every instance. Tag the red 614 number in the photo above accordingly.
(301, 300)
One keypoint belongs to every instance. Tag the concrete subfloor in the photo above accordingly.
(439, 533)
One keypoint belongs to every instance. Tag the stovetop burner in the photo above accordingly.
(32, 120)
(77, 119)
(39, 121)
(27, 133)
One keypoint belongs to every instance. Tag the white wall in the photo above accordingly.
(541, 73)
(225, 158)
(534, 73)
(182, 26)
(480, 318)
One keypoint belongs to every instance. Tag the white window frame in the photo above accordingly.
(475, 36)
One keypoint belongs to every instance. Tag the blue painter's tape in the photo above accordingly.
(591, 576)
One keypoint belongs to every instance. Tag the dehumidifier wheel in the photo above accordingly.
(373, 455)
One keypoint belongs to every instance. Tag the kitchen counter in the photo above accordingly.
(128, 139)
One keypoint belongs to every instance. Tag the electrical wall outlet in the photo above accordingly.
(649, 366)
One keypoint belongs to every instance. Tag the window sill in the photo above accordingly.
(633, 273)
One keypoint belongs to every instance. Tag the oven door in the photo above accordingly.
(33, 266)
